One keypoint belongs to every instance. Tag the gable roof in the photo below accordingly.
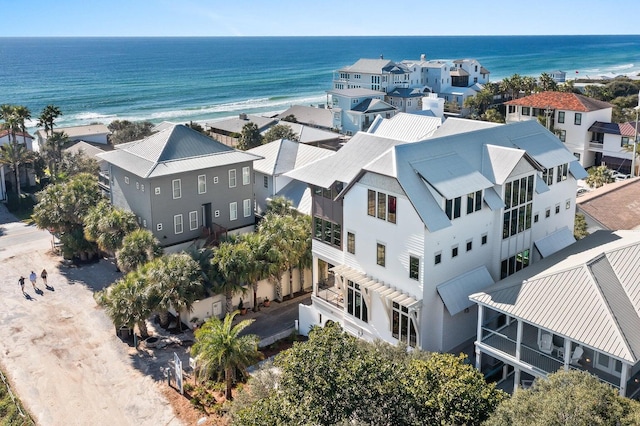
(561, 100)
(356, 92)
(310, 116)
(20, 135)
(406, 92)
(623, 129)
(283, 155)
(405, 127)
(376, 66)
(588, 292)
(235, 124)
(307, 134)
(75, 132)
(174, 150)
(372, 105)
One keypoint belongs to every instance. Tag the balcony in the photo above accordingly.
(596, 146)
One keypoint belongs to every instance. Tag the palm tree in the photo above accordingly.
(48, 117)
(127, 302)
(176, 282)
(546, 83)
(15, 155)
(138, 248)
(23, 114)
(107, 226)
(231, 258)
(598, 176)
(53, 151)
(219, 346)
(280, 205)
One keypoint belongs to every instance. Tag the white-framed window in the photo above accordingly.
(144, 223)
(157, 190)
(560, 116)
(567, 205)
(159, 227)
(246, 175)
(414, 267)
(232, 178)
(217, 213)
(202, 184)
(577, 119)
(137, 185)
(402, 325)
(381, 254)
(518, 196)
(356, 303)
(351, 242)
(265, 181)
(177, 188)
(193, 220)
(233, 211)
(126, 180)
(177, 224)
(246, 207)
(142, 187)
(215, 179)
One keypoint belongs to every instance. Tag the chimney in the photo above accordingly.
(423, 57)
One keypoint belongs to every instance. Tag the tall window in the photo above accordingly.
(624, 141)
(232, 178)
(246, 176)
(562, 173)
(327, 231)
(381, 254)
(518, 196)
(402, 327)
(265, 181)
(391, 209)
(452, 208)
(414, 268)
(525, 110)
(514, 263)
(356, 304)
(233, 211)
(177, 188)
(193, 220)
(177, 224)
(202, 184)
(381, 205)
(560, 116)
(246, 207)
(474, 202)
(562, 135)
(577, 120)
(547, 176)
(351, 242)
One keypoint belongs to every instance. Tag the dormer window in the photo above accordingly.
(452, 208)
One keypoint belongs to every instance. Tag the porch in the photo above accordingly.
(501, 344)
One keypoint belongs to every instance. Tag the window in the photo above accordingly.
(567, 205)
(381, 205)
(126, 180)
(177, 189)
(469, 245)
(547, 213)
(484, 239)
(403, 327)
(536, 217)
(577, 120)
(577, 155)
(562, 135)
(414, 268)
(327, 231)
(265, 181)
(215, 179)
(351, 242)
(624, 141)
(474, 202)
(246, 175)
(233, 211)
(157, 190)
(381, 254)
(159, 227)
(557, 208)
(356, 303)
(452, 208)
(547, 176)
(202, 184)
(598, 137)
(137, 185)
(437, 259)
(560, 116)
(454, 251)
(563, 172)
(232, 178)
(512, 109)
(246, 207)
(518, 195)
(193, 220)
(142, 187)
(514, 263)
(177, 224)
(525, 111)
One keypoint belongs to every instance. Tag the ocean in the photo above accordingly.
(205, 79)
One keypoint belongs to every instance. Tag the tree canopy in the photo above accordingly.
(127, 131)
(280, 131)
(250, 136)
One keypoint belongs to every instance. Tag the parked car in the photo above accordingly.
(617, 176)
(581, 191)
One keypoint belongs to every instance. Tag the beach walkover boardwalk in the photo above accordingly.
(59, 350)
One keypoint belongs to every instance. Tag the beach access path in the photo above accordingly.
(59, 349)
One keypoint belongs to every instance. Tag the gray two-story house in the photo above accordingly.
(183, 185)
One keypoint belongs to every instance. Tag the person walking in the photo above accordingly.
(33, 278)
(21, 281)
(43, 275)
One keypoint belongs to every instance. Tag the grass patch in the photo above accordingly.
(22, 207)
(11, 410)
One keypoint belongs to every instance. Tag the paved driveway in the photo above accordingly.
(59, 349)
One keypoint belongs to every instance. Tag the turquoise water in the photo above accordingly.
(181, 79)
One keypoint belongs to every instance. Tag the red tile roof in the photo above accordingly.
(4, 133)
(561, 100)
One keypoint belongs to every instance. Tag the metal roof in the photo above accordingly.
(544, 147)
(602, 127)
(577, 171)
(405, 127)
(310, 115)
(493, 199)
(555, 241)
(174, 150)
(283, 155)
(357, 92)
(455, 292)
(500, 162)
(589, 292)
(454, 126)
(299, 194)
(450, 175)
(235, 124)
(372, 105)
(76, 132)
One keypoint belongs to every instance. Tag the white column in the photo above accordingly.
(479, 336)
(518, 340)
(516, 379)
(314, 275)
(623, 379)
(567, 354)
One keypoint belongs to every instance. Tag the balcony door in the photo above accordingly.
(607, 364)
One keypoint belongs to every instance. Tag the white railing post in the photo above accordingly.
(479, 336)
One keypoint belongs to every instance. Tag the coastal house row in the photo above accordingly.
(583, 124)
(404, 231)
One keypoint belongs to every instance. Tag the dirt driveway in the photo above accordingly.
(59, 349)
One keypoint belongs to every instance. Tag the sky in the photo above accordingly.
(86, 18)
